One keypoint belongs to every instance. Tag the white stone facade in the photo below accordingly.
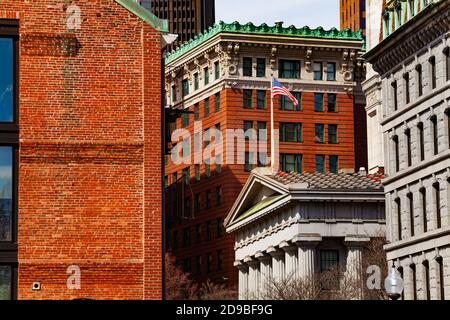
(414, 65)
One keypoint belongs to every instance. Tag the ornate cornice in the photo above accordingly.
(263, 29)
(412, 37)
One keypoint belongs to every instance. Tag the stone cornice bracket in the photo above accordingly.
(287, 247)
(274, 252)
(308, 59)
(273, 57)
(224, 58)
(262, 256)
(240, 265)
(198, 68)
(232, 63)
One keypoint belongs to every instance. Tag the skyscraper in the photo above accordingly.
(353, 14)
(186, 17)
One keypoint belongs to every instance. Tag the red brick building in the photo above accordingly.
(80, 137)
(353, 15)
(223, 80)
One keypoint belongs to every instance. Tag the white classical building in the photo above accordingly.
(413, 61)
(297, 225)
(372, 89)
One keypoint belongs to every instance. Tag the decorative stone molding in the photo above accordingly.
(308, 59)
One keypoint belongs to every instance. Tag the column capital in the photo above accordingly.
(263, 257)
(307, 239)
(240, 265)
(252, 262)
(274, 252)
(287, 247)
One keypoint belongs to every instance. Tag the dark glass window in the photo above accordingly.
(261, 67)
(289, 69)
(421, 141)
(419, 80)
(186, 237)
(249, 161)
(318, 102)
(197, 204)
(291, 132)
(408, 147)
(219, 229)
(218, 196)
(320, 136)
(185, 87)
(318, 71)
(332, 105)
(196, 82)
(184, 120)
(334, 164)
(217, 102)
(208, 199)
(396, 153)
(207, 170)
(332, 133)
(217, 70)
(291, 163)
(328, 259)
(197, 172)
(434, 127)
(6, 281)
(432, 62)
(248, 132)
(286, 104)
(174, 93)
(394, 95)
(207, 105)
(248, 98)
(320, 163)
(248, 67)
(447, 63)
(261, 99)
(206, 75)
(7, 85)
(406, 81)
(331, 71)
(196, 112)
(219, 260)
(186, 175)
(6, 193)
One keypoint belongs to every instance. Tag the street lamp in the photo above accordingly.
(394, 283)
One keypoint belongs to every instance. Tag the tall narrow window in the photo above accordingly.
(414, 280)
(291, 163)
(334, 164)
(248, 98)
(398, 206)
(394, 95)
(419, 80)
(440, 264)
(437, 199)
(247, 67)
(291, 132)
(432, 62)
(434, 128)
(9, 140)
(427, 288)
(185, 87)
(217, 102)
(423, 196)
(196, 112)
(331, 71)
(320, 163)
(332, 133)
(260, 67)
(206, 75)
(206, 106)
(407, 92)
(332, 105)
(411, 213)
(216, 70)
(447, 115)
(174, 94)
(249, 162)
(318, 102)
(289, 69)
(447, 63)
(320, 133)
(396, 153)
(261, 99)
(196, 82)
(318, 71)
(421, 141)
(408, 146)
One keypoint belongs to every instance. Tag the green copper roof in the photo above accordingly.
(263, 29)
(145, 15)
(260, 206)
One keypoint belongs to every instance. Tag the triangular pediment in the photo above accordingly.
(258, 194)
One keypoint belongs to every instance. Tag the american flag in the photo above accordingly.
(279, 90)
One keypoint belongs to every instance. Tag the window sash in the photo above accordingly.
(261, 67)
(207, 105)
(289, 69)
(247, 67)
(332, 134)
(332, 102)
(320, 164)
(319, 129)
(291, 132)
(318, 71)
(185, 88)
(334, 164)
(217, 102)
(331, 71)
(286, 104)
(206, 76)
(217, 70)
(248, 98)
(291, 163)
(318, 102)
(261, 99)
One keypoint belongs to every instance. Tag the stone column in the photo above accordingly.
(265, 273)
(243, 279)
(291, 260)
(306, 254)
(355, 245)
(253, 277)
(277, 263)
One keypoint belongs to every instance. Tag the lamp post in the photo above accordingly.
(394, 283)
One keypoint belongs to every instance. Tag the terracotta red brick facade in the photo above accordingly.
(90, 151)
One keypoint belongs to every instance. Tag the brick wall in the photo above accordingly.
(90, 168)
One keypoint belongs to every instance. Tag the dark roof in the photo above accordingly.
(327, 181)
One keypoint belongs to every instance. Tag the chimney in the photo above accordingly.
(362, 171)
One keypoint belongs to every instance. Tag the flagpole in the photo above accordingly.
(272, 128)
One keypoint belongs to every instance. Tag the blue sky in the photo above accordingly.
(312, 13)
